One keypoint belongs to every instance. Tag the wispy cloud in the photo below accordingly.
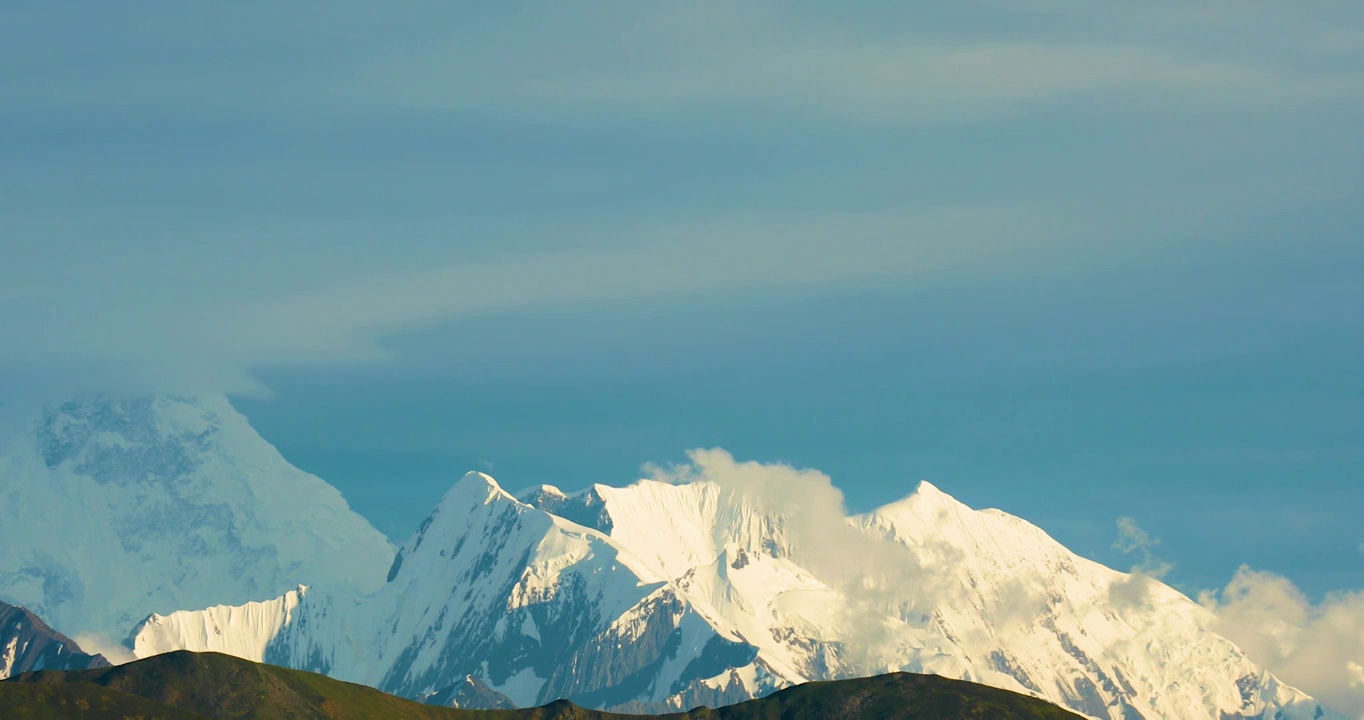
(1134, 592)
(897, 66)
(678, 260)
(1133, 540)
(846, 69)
(171, 325)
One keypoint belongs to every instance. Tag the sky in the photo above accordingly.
(1099, 266)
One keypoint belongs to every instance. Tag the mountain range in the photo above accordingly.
(658, 596)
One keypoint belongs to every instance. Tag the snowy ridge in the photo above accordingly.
(662, 596)
(241, 630)
(120, 508)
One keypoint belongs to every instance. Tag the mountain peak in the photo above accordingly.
(540, 495)
(926, 502)
(451, 515)
(929, 490)
(475, 476)
(474, 488)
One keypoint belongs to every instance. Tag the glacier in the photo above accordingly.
(117, 508)
(661, 596)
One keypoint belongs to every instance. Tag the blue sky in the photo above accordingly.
(1076, 262)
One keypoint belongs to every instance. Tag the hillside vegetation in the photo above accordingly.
(202, 686)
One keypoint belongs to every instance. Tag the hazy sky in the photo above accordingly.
(1078, 261)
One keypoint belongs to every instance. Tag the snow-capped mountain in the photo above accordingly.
(118, 508)
(663, 595)
(28, 644)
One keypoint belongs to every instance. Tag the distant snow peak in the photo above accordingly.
(586, 508)
(539, 491)
(133, 506)
(712, 586)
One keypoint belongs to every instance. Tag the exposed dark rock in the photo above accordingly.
(28, 644)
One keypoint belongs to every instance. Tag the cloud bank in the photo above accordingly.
(178, 322)
(1318, 647)
(891, 69)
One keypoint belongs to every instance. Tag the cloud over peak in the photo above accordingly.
(1315, 646)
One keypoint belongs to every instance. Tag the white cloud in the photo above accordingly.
(1318, 647)
(815, 522)
(869, 570)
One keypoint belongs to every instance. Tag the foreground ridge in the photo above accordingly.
(194, 686)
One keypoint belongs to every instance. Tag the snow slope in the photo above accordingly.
(240, 630)
(119, 508)
(661, 596)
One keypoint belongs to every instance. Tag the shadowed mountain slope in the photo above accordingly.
(27, 643)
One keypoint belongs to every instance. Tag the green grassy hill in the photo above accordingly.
(899, 696)
(229, 688)
(79, 701)
(202, 686)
